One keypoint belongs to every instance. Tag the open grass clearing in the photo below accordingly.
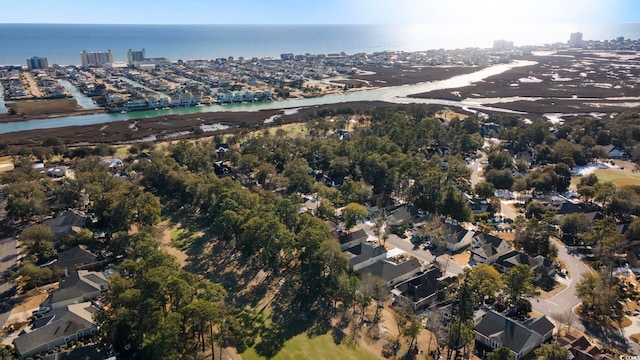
(318, 348)
(43, 107)
(619, 177)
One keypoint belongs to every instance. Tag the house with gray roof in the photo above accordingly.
(485, 248)
(78, 257)
(456, 237)
(365, 254)
(541, 266)
(494, 330)
(402, 215)
(78, 287)
(62, 224)
(352, 239)
(421, 290)
(393, 272)
(69, 323)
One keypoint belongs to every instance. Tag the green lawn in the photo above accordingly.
(122, 151)
(317, 348)
(618, 177)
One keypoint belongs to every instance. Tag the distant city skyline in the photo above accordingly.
(487, 12)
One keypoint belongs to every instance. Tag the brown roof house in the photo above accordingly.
(581, 349)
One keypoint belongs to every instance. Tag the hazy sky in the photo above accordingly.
(319, 11)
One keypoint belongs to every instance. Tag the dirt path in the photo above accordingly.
(165, 241)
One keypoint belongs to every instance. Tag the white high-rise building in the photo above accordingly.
(96, 58)
(575, 40)
(135, 55)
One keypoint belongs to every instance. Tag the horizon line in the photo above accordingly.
(317, 24)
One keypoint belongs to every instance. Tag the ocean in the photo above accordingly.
(62, 43)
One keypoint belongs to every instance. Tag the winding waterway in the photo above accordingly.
(394, 94)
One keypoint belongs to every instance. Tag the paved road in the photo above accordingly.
(8, 258)
(567, 299)
(475, 166)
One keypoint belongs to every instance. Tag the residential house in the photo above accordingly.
(490, 128)
(494, 330)
(77, 287)
(88, 352)
(113, 163)
(78, 257)
(485, 246)
(477, 205)
(393, 272)
(364, 254)
(70, 323)
(352, 239)
(221, 151)
(62, 224)
(402, 215)
(569, 208)
(581, 349)
(344, 135)
(541, 266)
(613, 152)
(456, 237)
(421, 290)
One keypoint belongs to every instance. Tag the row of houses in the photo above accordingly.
(151, 100)
(245, 95)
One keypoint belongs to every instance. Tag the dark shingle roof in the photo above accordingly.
(424, 285)
(388, 270)
(512, 334)
(77, 255)
(72, 319)
(356, 235)
(363, 252)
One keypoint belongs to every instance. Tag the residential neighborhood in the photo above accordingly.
(403, 232)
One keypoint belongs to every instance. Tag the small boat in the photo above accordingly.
(123, 112)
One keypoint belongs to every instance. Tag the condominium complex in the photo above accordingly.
(135, 55)
(35, 62)
(575, 40)
(97, 58)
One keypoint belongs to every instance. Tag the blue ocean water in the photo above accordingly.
(62, 43)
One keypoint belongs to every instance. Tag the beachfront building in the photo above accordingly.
(35, 63)
(575, 40)
(502, 45)
(135, 55)
(96, 58)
